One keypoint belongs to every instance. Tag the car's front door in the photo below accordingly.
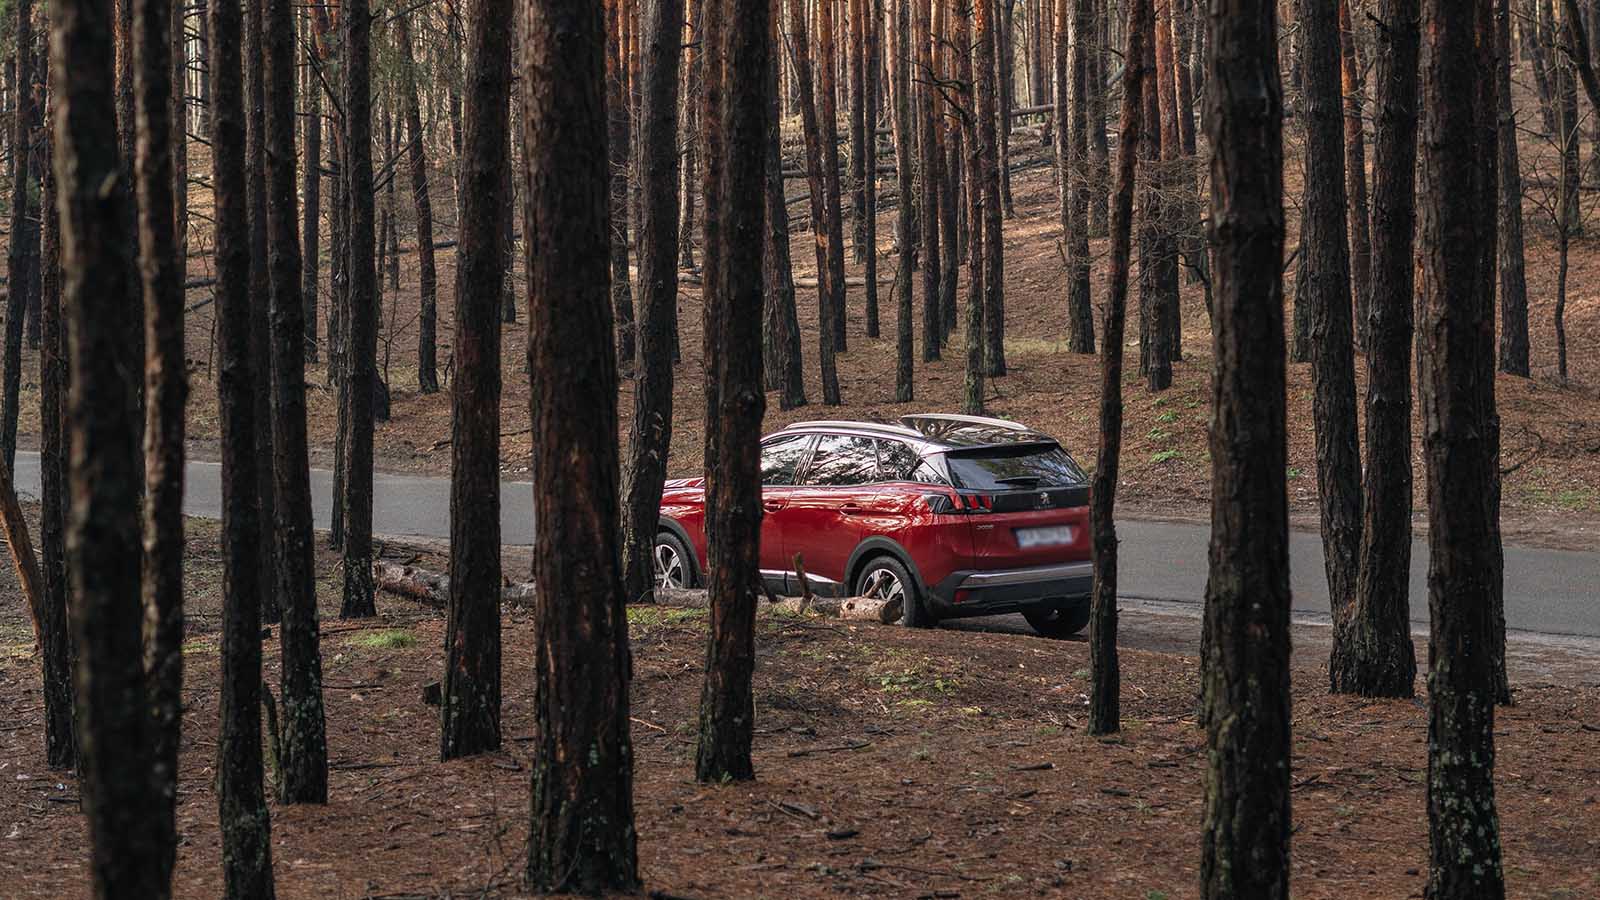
(823, 515)
(781, 462)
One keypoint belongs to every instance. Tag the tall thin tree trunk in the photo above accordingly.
(1325, 246)
(1512, 264)
(260, 296)
(427, 273)
(972, 397)
(1353, 86)
(1455, 375)
(1245, 836)
(361, 336)
(619, 141)
(246, 829)
(782, 353)
(1105, 704)
(302, 765)
(906, 244)
(989, 166)
(930, 163)
(470, 698)
(1072, 87)
(651, 435)
(120, 801)
(23, 239)
(310, 232)
(873, 93)
(1377, 658)
(862, 127)
(166, 390)
(816, 181)
(832, 223)
(582, 836)
(1006, 88)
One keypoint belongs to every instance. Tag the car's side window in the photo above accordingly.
(781, 459)
(841, 461)
(900, 461)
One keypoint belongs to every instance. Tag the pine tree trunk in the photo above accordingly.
(618, 149)
(1355, 171)
(1512, 263)
(782, 354)
(1099, 148)
(469, 712)
(828, 116)
(929, 165)
(427, 273)
(1377, 659)
(310, 232)
(583, 837)
(651, 434)
(906, 244)
(727, 709)
(989, 120)
(691, 128)
(166, 389)
(816, 181)
(1006, 87)
(260, 296)
(1245, 836)
(873, 92)
(1105, 703)
(972, 397)
(861, 127)
(23, 239)
(361, 336)
(1456, 384)
(1074, 132)
(60, 737)
(1325, 246)
(246, 829)
(120, 803)
(302, 766)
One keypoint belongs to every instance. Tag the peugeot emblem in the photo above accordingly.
(1044, 499)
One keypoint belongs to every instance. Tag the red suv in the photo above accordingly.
(957, 515)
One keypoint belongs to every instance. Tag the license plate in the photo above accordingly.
(1044, 537)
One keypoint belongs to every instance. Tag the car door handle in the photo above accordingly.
(851, 509)
(772, 505)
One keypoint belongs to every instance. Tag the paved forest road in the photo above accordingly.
(1554, 592)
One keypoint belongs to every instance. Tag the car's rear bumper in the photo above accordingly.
(996, 591)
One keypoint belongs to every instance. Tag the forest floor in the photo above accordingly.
(890, 762)
(1550, 433)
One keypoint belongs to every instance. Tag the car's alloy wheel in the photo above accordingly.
(882, 584)
(669, 565)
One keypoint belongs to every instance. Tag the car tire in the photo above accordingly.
(879, 577)
(669, 551)
(1059, 623)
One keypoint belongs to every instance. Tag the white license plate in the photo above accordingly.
(1053, 536)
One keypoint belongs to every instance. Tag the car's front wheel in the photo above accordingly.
(672, 562)
(1059, 623)
(884, 578)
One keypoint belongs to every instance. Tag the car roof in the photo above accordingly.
(936, 431)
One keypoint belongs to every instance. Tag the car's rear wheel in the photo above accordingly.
(884, 578)
(1059, 623)
(673, 564)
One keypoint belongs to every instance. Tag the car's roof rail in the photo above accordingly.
(970, 420)
(843, 424)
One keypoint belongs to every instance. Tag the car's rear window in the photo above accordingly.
(1024, 467)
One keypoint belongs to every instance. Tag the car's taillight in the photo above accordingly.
(943, 504)
(978, 502)
(961, 596)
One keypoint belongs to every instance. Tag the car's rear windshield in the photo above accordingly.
(1023, 467)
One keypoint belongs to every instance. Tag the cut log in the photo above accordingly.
(858, 609)
(433, 588)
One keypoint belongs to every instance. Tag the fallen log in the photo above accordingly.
(433, 588)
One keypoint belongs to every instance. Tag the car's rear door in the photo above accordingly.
(1027, 504)
(823, 514)
(782, 460)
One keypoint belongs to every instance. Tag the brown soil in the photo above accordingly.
(946, 763)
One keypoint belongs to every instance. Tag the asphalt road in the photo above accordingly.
(1552, 592)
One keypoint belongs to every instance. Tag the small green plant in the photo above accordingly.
(1168, 417)
(1155, 895)
(1294, 473)
(1166, 456)
(387, 639)
(1157, 434)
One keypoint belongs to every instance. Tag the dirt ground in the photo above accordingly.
(890, 762)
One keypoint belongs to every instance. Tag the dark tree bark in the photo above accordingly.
(1245, 837)
(178, 124)
(22, 261)
(582, 830)
(619, 139)
(949, 131)
(302, 767)
(1376, 657)
(1006, 90)
(60, 737)
(988, 172)
(166, 390)
(1099, 145)
(1325, 249)
(863, 125)
(1512, 263)
(1072, 149)
(828, 119)
(727, 708)
(1158, 260)
(816, 181)
(906, 244)
(691, 127)
(1456, 383)
(873, 100)
(1105, 703)
(470, 698)
(1353, 87)
(361, 336)
(930, 162)
(120, 800)
(246, 830)
(977, 180)
(311, 207)
(427, 272)
(781, 340)
(260, 295)
(651, 434)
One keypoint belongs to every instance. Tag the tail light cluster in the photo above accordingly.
(959, 504)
